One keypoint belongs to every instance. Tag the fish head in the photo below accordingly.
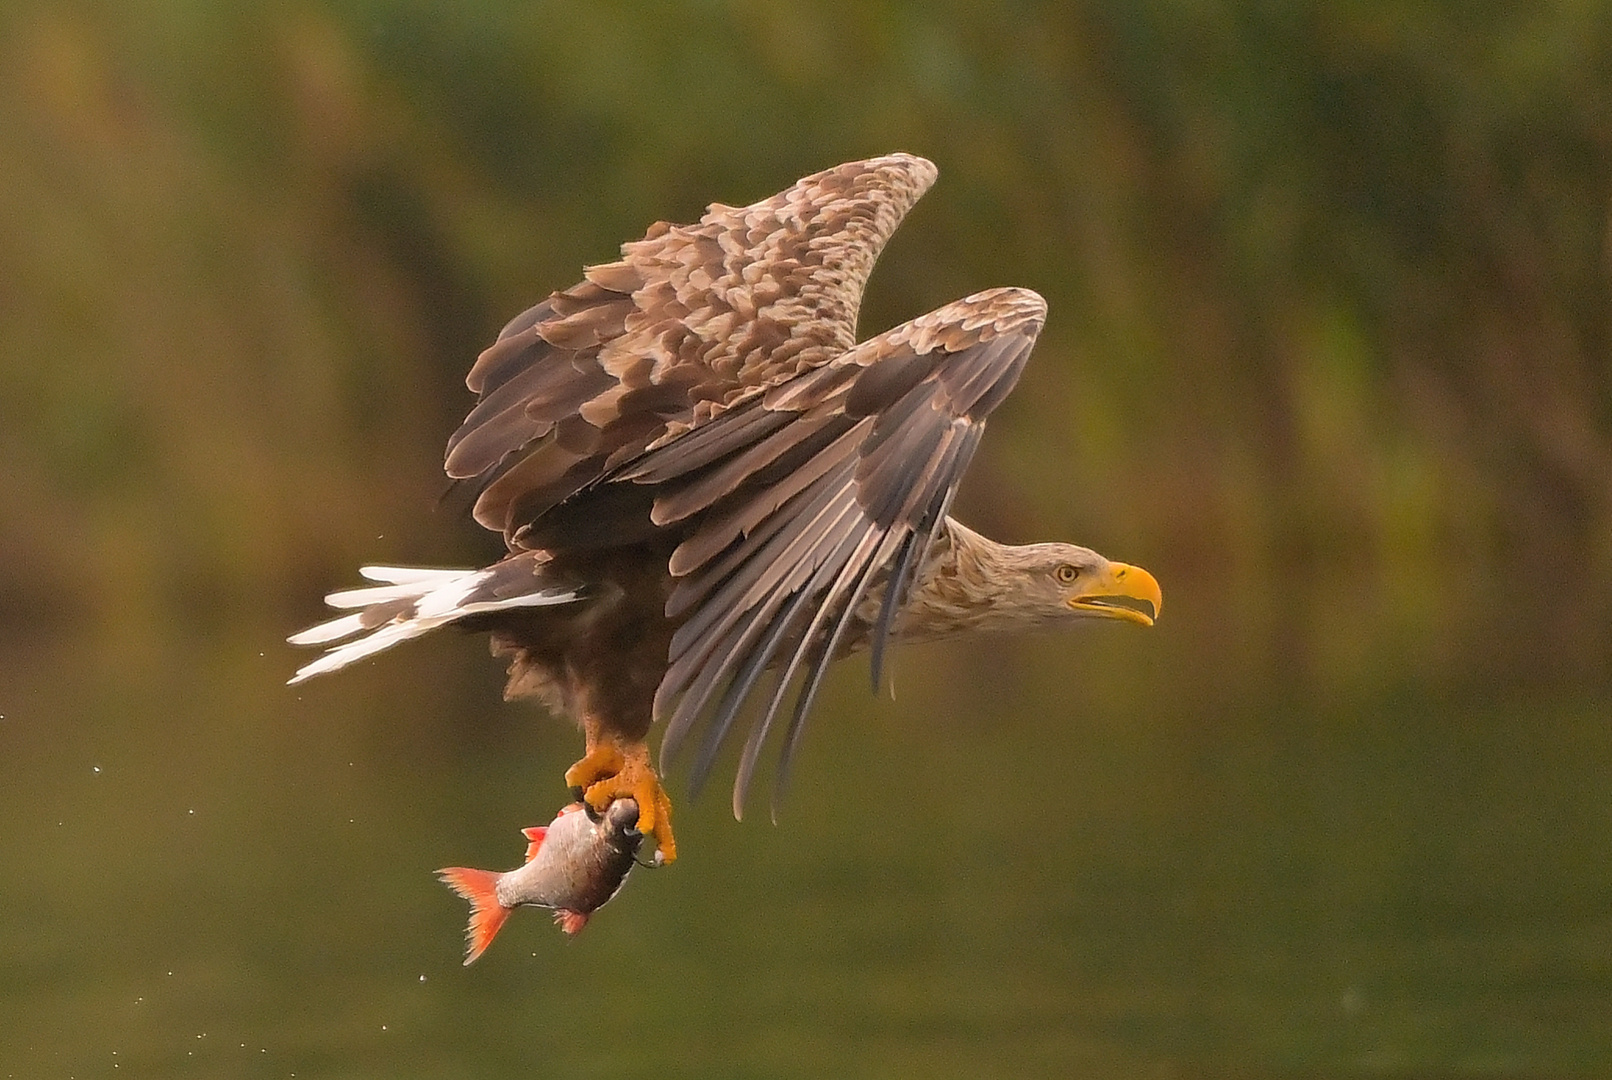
(622, 816)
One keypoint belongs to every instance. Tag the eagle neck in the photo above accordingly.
(960, 589)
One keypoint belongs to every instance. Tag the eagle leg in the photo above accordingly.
(614, 769)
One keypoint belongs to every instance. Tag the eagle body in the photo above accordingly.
(710, 490)
(601, 657)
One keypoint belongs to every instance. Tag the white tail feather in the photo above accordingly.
(334, 630)
(403, 575)
(440, 597)
(379, 594)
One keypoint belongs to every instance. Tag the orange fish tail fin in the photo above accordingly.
(571, 922)
(486, 913)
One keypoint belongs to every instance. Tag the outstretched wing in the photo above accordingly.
(690, 321)
(800, 501)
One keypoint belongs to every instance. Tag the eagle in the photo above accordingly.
(709, 490)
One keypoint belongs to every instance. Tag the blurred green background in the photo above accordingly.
(1330, 352)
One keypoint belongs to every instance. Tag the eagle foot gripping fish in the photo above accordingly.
(574, 865)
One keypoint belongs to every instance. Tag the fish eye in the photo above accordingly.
(1067, 574)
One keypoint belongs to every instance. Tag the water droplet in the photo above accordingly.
(95, 769)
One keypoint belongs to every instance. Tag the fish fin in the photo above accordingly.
(486, 913)
(535, 834)
(570, 921)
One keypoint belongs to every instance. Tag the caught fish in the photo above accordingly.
(573, 866)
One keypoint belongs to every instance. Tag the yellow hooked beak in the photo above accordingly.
(1119, 582)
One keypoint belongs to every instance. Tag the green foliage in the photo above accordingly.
(1328, 287)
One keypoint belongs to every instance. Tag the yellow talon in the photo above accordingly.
(609, 772)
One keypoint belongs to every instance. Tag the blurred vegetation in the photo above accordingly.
(1329, 344)
(1330, 352)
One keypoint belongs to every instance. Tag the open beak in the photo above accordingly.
(1122, 592)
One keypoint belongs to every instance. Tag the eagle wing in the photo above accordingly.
(690, 322)
(804, 498)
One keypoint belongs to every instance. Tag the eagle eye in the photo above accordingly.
(1067, 574)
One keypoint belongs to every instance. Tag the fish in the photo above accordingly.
(574, 865)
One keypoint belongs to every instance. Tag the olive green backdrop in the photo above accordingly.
(1330, 352)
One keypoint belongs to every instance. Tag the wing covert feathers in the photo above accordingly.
(692, 320)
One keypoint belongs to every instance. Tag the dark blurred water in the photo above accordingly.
(1057, 857)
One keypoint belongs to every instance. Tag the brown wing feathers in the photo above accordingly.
(776, 554)
(690, 322)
